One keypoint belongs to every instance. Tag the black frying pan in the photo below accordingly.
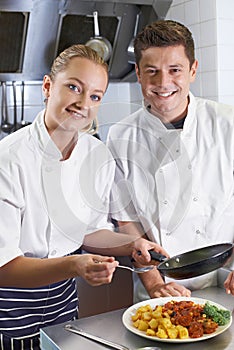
(195, 262)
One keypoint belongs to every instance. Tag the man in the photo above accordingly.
(174, 159)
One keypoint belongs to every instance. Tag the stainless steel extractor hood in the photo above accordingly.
(33, 32)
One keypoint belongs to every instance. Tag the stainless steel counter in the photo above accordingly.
(109, 326)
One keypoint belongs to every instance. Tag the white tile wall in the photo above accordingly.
(225, 31)
(191, 12)
(120, 100)
(208, 33)
(225, 8)
(207, 9)
(212, 25)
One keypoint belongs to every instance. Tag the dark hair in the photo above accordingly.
(164, 33)
(61, 62)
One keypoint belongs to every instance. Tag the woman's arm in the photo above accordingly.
(24, 272)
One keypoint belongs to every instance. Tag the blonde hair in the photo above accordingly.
(63, 59)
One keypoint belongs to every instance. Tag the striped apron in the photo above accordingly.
(24, 311)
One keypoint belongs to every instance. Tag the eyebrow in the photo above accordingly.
(82, 83)
(170, 65)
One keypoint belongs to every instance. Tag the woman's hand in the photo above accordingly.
(96, 269)
(229, 283)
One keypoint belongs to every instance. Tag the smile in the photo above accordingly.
(75, 114)
(165, 94)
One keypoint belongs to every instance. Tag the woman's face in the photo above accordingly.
(74, 95)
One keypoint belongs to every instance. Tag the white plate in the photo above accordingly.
(127, 321)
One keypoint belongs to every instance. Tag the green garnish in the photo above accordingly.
(220, 316)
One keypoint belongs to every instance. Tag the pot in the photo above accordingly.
(195, 262)
(101, 45)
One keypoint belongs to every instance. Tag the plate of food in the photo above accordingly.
(177, 319)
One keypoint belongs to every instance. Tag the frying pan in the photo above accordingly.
(195, 262)
(101, 45)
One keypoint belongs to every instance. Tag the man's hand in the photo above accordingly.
(229, 283)
(169, 289)
(141, 251)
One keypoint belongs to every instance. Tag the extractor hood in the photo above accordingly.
(33, 32)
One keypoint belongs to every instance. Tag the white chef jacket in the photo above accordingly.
(177, 183)
(47, 206)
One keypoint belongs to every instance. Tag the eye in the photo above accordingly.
(96, 98)
(176, 70)
(151, 71)
(75, 88)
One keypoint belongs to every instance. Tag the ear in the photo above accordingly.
(137, 69)
(193, 71)
(46, 86)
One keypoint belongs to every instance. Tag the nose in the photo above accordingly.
(163, 79)
(83, 101)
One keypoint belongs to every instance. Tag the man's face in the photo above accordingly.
(165, 76)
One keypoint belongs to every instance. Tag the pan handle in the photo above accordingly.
(156, 256)
(96, 25)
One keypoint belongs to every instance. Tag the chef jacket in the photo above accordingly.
(177, 183)
(47, 205)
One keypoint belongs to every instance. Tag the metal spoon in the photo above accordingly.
(22, 121)
(137, 269)
(5, 125)
(112, 345)
(15, 105)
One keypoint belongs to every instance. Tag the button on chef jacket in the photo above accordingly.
(177, 183)
(48, 205)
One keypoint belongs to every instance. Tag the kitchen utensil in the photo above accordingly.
(131, 56)
(195, 262)
(22, 121)
(15, 105)
(6, 126)
(101, 45)
(137, 269)
(73, 329)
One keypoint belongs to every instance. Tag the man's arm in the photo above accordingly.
(152, 280)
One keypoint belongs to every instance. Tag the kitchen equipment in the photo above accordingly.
(15, 106)
(137, 269)
(131, 56)
(22, 121)
(101, 45)
(6, 126)
(73, 329)
(195, 262)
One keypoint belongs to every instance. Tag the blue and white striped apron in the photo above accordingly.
(24, 311)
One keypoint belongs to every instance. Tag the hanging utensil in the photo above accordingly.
(195, 262)
(6, 126)
(101, 45)
(22, 121)
(14, 106)
(131, 56)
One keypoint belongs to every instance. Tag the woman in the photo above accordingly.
(55, 182)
